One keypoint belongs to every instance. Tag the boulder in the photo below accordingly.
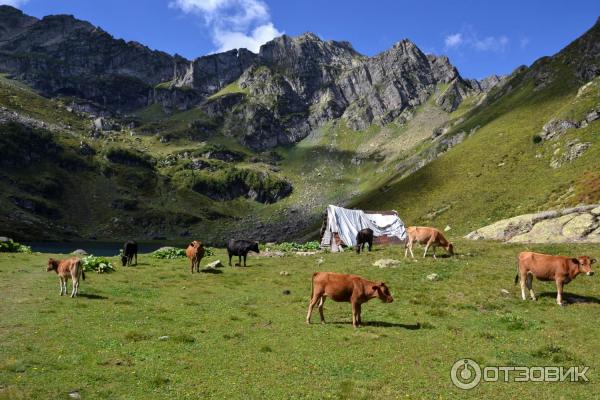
(433, 277)
(576, 224)
(387, 263)
(80, 252)
(215, 264)
(5, 239)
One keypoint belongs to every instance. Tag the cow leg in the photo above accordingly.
(230, 259)
(559, 293)
(434, 257)
(370, 245)
(311, 305)
(60, 284)
(529, 284)
(355, 312)
(321, 302)
(245, 255)
(426, 249)
(192, 266)
(523, 279)
(358, 316)
(135, 258)
(74, 287)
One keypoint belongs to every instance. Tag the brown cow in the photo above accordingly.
(347, 288)
(430, 237)
(544, 267)
(64, 268)
(195, 253)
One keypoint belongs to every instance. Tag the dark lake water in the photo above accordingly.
(94, 247)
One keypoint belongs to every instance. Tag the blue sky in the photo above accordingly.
(480, 37)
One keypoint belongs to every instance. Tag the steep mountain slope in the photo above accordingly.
(255, 145)
(531, 145)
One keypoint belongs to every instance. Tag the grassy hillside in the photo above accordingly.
(503, 169)
(238, 327)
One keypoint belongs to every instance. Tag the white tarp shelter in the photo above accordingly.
(342, 225)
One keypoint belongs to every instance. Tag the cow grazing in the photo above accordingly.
(364, 236)
(70, 267)
(347, 288)
(430, 237)
(195, 253)
(130, 250)
(544, 267)
(241, 248)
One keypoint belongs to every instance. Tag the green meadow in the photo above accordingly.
(154, 331)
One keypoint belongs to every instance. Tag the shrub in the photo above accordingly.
(293, 246)
(11, 246)
(168, 253)
(171, 253)
(537, 139)
(99, 264)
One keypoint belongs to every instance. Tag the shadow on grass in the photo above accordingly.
(211, 271)
(572, 298)
(383, 324)
(92, 296)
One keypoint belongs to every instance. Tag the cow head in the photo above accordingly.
(254, 247)
(124, 260)
(383, 292)
(450, 249)
(195, 244)
(52, 265)
(585, 264)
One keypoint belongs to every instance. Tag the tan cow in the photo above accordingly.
(544, 267)
(195, 253)
(430, 237)
(347, 288)
(70, 267)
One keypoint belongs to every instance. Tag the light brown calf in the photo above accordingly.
(70, 267)
(430, 237)
(347, 288)
(544, 267)
(195, 253)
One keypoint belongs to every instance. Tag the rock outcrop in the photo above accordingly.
(577, 224)
(291, 87)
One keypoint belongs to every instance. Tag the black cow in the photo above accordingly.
(241, 248)
(130, 250)
(364, 236)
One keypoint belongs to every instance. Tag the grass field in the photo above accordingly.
(235, 334)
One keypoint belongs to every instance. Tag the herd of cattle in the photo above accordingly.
(353, 288)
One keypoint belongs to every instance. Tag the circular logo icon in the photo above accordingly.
(465, 374)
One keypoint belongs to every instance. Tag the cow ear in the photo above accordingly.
(576, 261)
(593, 261)
(376, 288)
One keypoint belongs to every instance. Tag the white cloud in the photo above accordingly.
(233, 23)
(454, 40)
(469, 38)
(14, 3)
(524, 42)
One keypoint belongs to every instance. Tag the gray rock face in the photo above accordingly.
(292, 86)
(577, 224)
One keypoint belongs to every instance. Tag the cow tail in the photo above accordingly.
(312, 284)
(82, 270)
(517, 276)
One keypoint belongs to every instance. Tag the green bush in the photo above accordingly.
(168, 253)
(174, 252)
(11, 246)
(99, 264)
(293, 246)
